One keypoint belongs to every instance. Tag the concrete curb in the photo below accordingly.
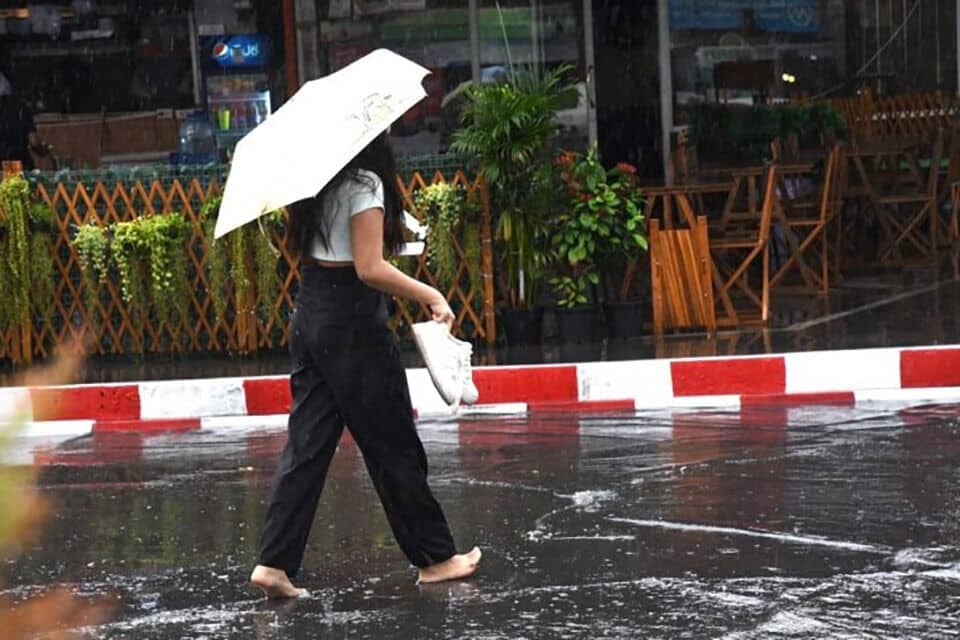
(845, 378)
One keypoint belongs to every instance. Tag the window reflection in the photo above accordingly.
(436, 34)
(751, 51)
(543, 36)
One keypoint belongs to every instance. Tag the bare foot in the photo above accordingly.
(274, 583)
(457, 567)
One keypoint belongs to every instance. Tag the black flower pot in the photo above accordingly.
(523, 326)
(575, 325)
(625, 319)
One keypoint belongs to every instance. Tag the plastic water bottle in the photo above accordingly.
(243, 122)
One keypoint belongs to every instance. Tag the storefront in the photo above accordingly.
(82, 61)
(112, 81)
(750, 51)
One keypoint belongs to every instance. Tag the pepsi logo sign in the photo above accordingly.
(239, 51)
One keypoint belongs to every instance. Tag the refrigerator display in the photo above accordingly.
(237, 87)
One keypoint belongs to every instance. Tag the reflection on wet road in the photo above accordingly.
(806, 523)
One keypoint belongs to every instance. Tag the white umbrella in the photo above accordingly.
(301, 147)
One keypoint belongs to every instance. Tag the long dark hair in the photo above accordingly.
(306, 216)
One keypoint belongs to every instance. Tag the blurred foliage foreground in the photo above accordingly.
(22, 513)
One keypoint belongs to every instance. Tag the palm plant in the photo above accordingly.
(509, 129)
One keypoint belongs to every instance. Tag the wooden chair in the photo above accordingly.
(810, 230)
(955, 228)
(734, 253)
(681, 278)
(946, 225)
(903, 215)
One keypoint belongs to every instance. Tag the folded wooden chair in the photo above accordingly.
(946, 229)
(809, 229)
(908, 215)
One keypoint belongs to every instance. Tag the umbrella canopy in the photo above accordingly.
(301, 147)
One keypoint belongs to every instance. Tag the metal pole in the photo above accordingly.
(308, 63)
(906, 38)
(290, 47)
(936, 21)
(474, 20)
(301, 71)
(590, 60)
(194, 57)
(666, 85)
(876, 16)
(535, 58)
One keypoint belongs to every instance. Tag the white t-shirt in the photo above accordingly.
(352, 196)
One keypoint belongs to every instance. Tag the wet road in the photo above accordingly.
(843, 524)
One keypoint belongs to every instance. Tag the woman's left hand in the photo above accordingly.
(440, 310)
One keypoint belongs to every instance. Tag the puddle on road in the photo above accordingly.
(809, 524)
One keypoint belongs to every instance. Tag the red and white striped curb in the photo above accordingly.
(908, 375)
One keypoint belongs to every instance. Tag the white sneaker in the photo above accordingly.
(448, 362)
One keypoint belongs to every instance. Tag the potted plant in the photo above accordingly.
(625, 307)
(600, 232)
(509, 129)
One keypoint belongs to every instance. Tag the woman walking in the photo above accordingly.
(347, 372)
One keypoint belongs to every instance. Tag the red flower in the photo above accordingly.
(565, 159)
(626, 167)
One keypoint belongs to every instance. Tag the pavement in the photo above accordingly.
(800, 482)
(893, 309)
(843, 362)
(752, 523)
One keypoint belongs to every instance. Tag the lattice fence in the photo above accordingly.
(110, 329)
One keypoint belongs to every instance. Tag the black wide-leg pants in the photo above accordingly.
(347, 372)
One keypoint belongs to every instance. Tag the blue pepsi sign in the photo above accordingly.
(232, 52)
(793, 16)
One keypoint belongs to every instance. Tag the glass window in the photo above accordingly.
(434, 33)
(542, 35)
(748, 51)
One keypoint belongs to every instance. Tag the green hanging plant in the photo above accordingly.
(218, 261)
(6, 284)
(41, 274)
(265, 267)
(441, 206)
(244, 258)
(149, 253)
(41, 216)
(130, 256)
(91, 243)
(14, 208)
(448, 213)
(239, 273)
